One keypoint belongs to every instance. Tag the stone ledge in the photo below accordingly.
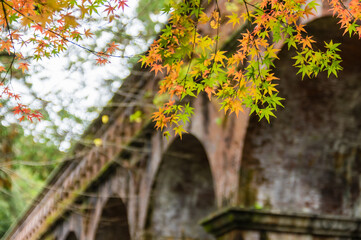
(231, 219)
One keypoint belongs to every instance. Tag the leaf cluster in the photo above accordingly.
(193, 63)
(37, 29)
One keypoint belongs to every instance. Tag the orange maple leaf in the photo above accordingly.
(38, 28)
(112, 47)
(101, 61)
(87, 33)
(209, 92)
(156, 68)
(6, 45)
(24, 66)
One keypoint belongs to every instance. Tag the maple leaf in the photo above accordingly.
(307, 42)
(209, 92)
(112, 47)
(101, 61)
(70, 21)
(179, 131)
(156, 68)
(122, 4)
(17, 97)
(24, 66)
(87, 33)
(205, 43)
(272, 52)
(38, 27)
(203, 18)
(6, 45)
(234, 19)
(83, 10)
(214, 24)
(17, 109)
(219, 57)
(110, 9)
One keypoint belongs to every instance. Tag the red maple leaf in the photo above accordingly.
(122, 4)
(110, 9)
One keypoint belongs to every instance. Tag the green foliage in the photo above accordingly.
(24, 166)
(15, 200)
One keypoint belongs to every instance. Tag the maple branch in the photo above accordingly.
(98, 54)
(6, 19)
(259, 57)
(217, 7)
(9, 69)
(193, 46)
(12, 41)
(20, 109)
(248, 15)
(3, 54)
(260, 9)
(344, 7)
(218, 23)
(217, 36)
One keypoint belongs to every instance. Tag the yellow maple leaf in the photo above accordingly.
(203, 18)
(219, 57)
(234, 19)
(70, 21)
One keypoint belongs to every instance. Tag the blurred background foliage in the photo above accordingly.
(24, 166)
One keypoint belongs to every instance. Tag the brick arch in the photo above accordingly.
(183, 192)
(308, 159)
(113, 221)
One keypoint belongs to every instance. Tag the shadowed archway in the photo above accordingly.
(183, 192)
(71, 236)
(113, 223)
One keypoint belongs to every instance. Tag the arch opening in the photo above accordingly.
(113, 223)
(182, 193)
(309, 158)
(71, 236)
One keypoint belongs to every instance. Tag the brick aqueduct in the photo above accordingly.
(230, 178)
